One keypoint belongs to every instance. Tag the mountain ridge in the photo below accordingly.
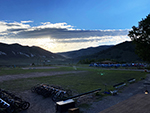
(84, 52)
(17, 53)
(122, 52)
(17, 50)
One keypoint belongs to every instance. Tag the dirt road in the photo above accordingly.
(36, 74)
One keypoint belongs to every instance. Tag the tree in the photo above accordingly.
(141, 37)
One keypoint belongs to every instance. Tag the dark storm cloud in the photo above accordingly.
(12, 30)
(60, 33)
(77, 40)
(12, 24)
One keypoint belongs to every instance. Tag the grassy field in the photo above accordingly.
(12, 71)
(92, 78)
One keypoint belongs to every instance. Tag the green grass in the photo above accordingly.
(12, 71)
(91, 79)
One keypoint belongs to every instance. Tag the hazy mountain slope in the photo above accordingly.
(15, 54)
(84, 52)
(122, 52)
(18, 51)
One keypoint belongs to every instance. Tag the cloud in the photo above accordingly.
(55, 31)
(12, 27)
(63, 45)
(56, 25)
(16, 25)
(58, 37)
(29, 21)
(19, 29)
(64, 33)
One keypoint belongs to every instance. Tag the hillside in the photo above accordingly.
(121, 52)
(16, 52)
(84, 52)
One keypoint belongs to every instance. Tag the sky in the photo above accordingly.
(67, 25)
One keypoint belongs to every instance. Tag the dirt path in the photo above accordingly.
(36, 74)
(38, 104)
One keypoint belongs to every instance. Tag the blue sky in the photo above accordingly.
(65, 25)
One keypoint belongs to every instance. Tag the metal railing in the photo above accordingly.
(55, 92)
